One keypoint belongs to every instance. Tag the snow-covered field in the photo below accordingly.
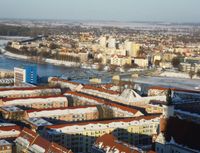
(177, 75)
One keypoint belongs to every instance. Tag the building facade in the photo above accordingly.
(25, 74)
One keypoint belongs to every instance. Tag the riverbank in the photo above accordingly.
(45, 60)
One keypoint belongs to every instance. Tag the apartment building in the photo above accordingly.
(5, 146)
(120, 60)
(106, 109)
(39, 102)
(80, 136)
(14, 92)
(29, 141)
(9, 131)
(178, 95)
(66, 113)
(63, 83)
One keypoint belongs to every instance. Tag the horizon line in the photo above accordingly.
(101, 20)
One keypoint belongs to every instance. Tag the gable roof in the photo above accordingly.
(183, 132)
(109, 141)
(35, 140)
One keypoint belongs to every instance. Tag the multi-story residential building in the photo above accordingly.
(15, 92)
(5, 146)
(127, 97)
(66, 113)
(25, 74)
(106, 109)
(9, 131)
(141, 62)
(120, 60)
(36, 102)
(12, 112)
(134, 49)
(178, 95)
(80, 136)
(187, 67)
(63, 83)
(102, 41)
(29, 141)
(188, 111)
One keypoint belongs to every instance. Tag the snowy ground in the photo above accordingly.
(184, 83)
(177, 75)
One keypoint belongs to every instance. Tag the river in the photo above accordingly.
(44, 70)
(82, 75)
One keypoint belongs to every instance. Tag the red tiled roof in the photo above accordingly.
(34, 138)
(10, 127)
(184, 132)
(55, 148)
(108, 140)
(101, 101)
(104, 121)
(29, 135)
(33, 97)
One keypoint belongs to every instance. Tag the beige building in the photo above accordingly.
(80, 136)
(120, 60)
(134, 50)
(14, 92)
(5, 147)
(141, 62)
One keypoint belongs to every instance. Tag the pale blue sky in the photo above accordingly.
(121, 10)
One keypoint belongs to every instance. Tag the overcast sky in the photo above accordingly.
(120, 10)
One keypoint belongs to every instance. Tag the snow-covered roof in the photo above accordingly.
(94, 126)
(129, 95)
(39, 121)
(4, 143)
(24, 91)
(60, 112)
(12, 108)
(35, 100)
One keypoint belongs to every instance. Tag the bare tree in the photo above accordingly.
(191, 74)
